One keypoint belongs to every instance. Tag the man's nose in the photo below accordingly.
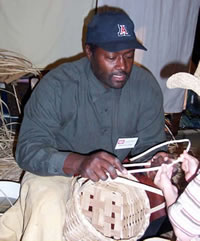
(121, 64)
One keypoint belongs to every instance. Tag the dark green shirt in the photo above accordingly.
(71, 111)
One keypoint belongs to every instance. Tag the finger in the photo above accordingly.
(111, 171)
(114, 161)
(182, 156)
(170, 170)
(101, 173)
(155, 156)
(166, 159)
(164, 168)
(117, 164)
(91, 175)
(156, 179)
(158, 159)
(163, 154)
(186, 155)
(190, 158)
(185, 165)
(187, 176)
(164, 176)
(163, 157)
(165, 171)
(107, 168)
(194, 159)
(157, 176)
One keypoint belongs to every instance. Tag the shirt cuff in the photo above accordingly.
(57, 163)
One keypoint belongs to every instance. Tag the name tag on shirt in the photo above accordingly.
(124, 143)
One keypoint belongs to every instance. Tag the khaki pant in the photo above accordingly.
(39, 213)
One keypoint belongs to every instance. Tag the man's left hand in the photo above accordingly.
(157, 160)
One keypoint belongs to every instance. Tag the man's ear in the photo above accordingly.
(88, 51)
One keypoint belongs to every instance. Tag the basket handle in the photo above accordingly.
(152, 149)
(127, 179)
(160, 145)
(157, 208)
(150, 169)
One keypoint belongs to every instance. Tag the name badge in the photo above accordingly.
(124, 143)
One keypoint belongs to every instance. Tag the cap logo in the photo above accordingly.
(122, 30)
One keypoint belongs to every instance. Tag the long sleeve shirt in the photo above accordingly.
(185, 212)
(71, 111)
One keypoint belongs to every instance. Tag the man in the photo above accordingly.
(83, 118)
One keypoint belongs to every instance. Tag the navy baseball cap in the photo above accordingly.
(112, 31)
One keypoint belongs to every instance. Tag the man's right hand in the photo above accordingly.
(96, 166)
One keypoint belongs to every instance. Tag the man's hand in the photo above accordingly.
(158, 160)
(99, 165)
(96, 166)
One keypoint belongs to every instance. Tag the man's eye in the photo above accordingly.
(111, 58)
(129, 56)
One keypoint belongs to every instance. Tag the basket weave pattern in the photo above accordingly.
(106, 210)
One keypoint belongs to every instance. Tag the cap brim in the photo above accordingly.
(117, 45)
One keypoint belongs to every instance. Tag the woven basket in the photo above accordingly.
(107, 210)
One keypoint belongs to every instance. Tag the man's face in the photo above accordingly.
(111, 68)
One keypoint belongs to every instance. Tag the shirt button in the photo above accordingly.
(104, 131)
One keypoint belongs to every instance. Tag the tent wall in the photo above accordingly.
(44, 31)
(47, 31)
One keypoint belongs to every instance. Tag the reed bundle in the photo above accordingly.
(14, 65)
(9, 169)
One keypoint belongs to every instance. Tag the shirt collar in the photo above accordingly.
(96, 88)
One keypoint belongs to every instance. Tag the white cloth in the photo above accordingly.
(43, 31)
(167, 30)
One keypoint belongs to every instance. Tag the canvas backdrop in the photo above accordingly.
(47, 31)
(43, 30)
